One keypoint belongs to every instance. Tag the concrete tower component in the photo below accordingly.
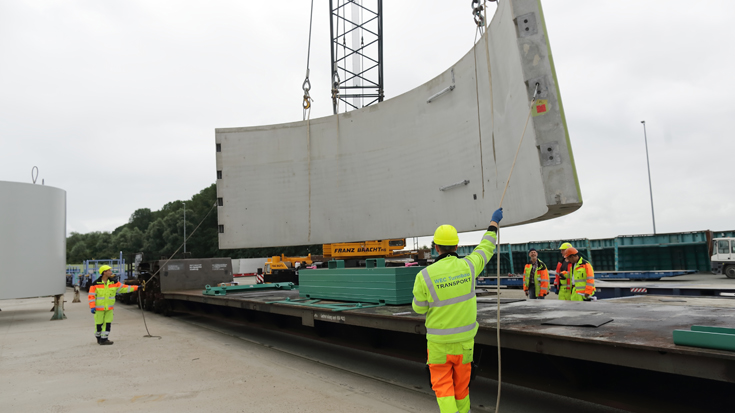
(440, 153)
(32, 240)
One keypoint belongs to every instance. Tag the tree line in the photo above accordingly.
(158, 234)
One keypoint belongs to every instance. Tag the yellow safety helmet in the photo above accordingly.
(446, 235)
(104, 268)
(565, 246)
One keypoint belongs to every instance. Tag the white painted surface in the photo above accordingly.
(375, 173)
(246, 280)
(250, 265)
(32, 240)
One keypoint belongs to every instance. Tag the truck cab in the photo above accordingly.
(723, 256)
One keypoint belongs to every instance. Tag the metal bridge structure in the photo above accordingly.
(357, 67)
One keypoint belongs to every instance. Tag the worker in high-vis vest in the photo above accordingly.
(102, 301)
(583, 276)
(445, 292)
(563, 280)
(535, 277)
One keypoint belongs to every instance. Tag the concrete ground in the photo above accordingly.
(57, 366)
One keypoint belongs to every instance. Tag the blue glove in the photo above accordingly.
(93, 310)
(498, 215)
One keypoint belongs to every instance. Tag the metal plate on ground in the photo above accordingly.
(581, 321)
(502, 300)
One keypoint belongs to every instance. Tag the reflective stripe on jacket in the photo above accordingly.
(445, 292)
(102, 295)
(540, 278)
(584, 277)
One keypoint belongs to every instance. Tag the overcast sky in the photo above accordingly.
(116, 102)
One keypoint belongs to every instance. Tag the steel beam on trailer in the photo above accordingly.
(314, 303)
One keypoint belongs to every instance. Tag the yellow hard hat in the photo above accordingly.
(565, 246)
(446, 235)
(104, 268)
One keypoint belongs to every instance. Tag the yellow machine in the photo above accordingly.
(277, 264)
(367, 249)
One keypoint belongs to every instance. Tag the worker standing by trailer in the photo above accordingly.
(535, 277)
(102, 301)
(563, 281)
(445, 292)
(583, 276)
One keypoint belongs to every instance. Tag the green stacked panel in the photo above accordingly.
(374, 284)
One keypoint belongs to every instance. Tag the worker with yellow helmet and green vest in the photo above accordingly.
(445, 292)
(102, 301)
(582, 276)
(563, 281)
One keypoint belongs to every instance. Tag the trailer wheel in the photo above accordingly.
(730, 271)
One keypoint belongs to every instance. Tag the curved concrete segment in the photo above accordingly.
(32, 240)
(440, 153)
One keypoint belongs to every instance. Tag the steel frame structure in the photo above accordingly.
(370, 77)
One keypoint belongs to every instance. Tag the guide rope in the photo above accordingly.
(140, 303)
(497, 279)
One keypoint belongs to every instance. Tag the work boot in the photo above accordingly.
(106, 342)
(99, 340)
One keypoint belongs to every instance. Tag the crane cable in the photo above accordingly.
(307, 116)
(306, 86)
(140, 304)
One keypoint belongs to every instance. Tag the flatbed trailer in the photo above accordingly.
(639, 337)
(512, 282)
(608, 290)
(640, 275)
(517, 281)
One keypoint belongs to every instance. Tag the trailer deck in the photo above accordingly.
(618, 289)
(640, 335)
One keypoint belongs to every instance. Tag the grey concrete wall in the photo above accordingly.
(375, 173)
(32, 240)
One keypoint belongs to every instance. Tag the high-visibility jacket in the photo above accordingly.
(540, 278)
(584, 278)
(102, 294)
(445, 292)
(562, 275)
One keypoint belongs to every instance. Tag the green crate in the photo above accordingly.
(375, 283)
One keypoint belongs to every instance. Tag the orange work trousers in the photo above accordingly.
(451, 367)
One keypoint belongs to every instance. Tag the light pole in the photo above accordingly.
(650, 188)
(185, 230)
